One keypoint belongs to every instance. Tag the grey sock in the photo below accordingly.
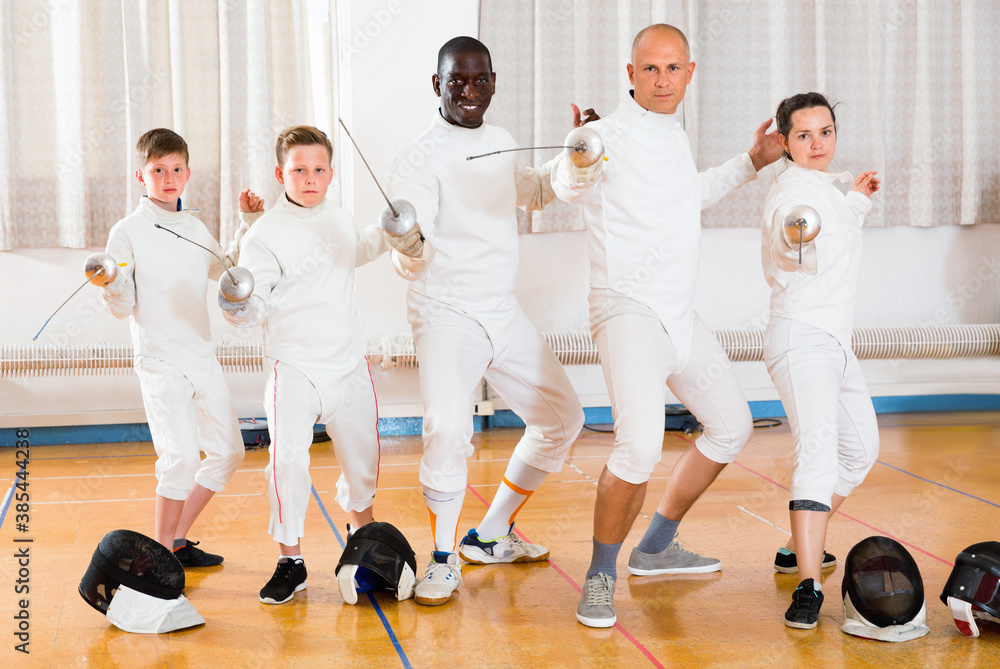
(180, 543)
(604, 559)
(659, 534)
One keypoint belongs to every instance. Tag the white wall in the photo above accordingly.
(388, 100)
(943, 275)
(909, 276)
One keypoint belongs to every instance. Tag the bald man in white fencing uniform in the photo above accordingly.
(642, 205)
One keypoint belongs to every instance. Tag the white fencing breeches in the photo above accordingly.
(829, 409)
(636, 358)
(454, 352)
(293, 406)
(185, 416)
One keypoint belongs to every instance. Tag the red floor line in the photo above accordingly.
(859, 522)
(884, 533)
(618, 626)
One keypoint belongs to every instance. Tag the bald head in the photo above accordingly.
(659, 30)
(661, 68)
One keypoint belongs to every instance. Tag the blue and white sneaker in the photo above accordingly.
(504, 550)
(443, 576)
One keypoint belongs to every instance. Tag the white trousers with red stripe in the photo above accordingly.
(293, 405)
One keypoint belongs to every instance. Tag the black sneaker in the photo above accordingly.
(191, 556)
(289, 578)
(788, 564)
(804, 611)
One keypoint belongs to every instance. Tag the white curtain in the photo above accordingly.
(81, 81)
(913, 78)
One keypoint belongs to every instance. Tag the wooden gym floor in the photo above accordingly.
(936, 488)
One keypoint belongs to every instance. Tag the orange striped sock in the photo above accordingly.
(506, 504)
(444, 509)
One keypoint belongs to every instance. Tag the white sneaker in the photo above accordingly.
(504, 550)
(439, 581)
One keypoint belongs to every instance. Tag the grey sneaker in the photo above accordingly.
(597, 606)
(671, 560)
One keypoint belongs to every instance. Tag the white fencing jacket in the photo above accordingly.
(163, 285)
(821, 292)
(303, 261)
(643, 213)
(466, 209)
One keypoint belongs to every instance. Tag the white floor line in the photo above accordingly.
(594, 481)
(586, 479)
(91, 476)
(580, 472)
(139, 499)
(311, 468)
(781, 529)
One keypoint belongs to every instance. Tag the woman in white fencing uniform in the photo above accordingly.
(807, 347)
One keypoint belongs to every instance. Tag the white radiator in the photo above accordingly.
(572, 348)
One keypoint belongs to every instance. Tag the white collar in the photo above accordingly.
(159, 214)
(297, 210)
(459, 132)
(788, 169)
(641, 116)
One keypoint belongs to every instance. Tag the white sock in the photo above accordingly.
(289, 557)
(519, 481)
(444, 508)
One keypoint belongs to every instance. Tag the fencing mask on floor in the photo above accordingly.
(972, 591)
(377, 557)
(138, 584)
(883, 592)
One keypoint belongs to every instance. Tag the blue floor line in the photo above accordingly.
(388, 630)
(375, 605)
(10, 497)
(979, 499)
